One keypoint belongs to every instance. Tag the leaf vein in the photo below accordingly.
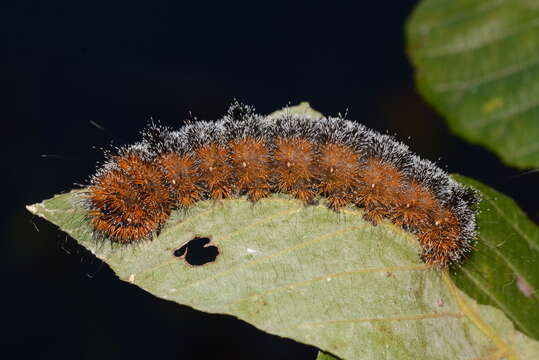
(507, 115)
(476, 319)
(479, 42)
(492, 77)
(388, 319)
(278, 253)
(517, 229)
(494, 298)
(331, 276)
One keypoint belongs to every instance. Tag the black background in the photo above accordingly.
(67, 63)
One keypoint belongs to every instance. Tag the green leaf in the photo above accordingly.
(319, 277)
(325, 356)
(303, 108)
(504, 269)
(477, 62)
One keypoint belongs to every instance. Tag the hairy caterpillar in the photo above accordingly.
(132, 195)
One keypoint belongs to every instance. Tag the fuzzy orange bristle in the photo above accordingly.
(133, 194)
(294, 166)
(338, 173)
(380, 189)
(415, 208)
(181, 173)
(214, 170)
(131, 202)
(251, 161)
(441, 238)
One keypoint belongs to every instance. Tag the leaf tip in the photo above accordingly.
(32, 208)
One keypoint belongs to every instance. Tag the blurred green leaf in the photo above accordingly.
(319, 277)
(477, 62)
(504, 269)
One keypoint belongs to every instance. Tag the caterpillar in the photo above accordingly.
(133, 193)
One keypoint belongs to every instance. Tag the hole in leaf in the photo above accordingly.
(197, 251)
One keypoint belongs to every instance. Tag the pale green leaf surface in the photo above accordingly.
(303, 108)
(477, 62)
(327, 279)
(504, 268)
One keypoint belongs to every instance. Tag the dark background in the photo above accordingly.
(68, 63)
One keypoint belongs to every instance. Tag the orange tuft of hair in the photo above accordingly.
(251, 160)
(338, 174)
(181, 172)
(215, 171)
(380, 190)
(416, 207)
(294, 166)
(129, 202)
(440, 240)
(132, 196)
